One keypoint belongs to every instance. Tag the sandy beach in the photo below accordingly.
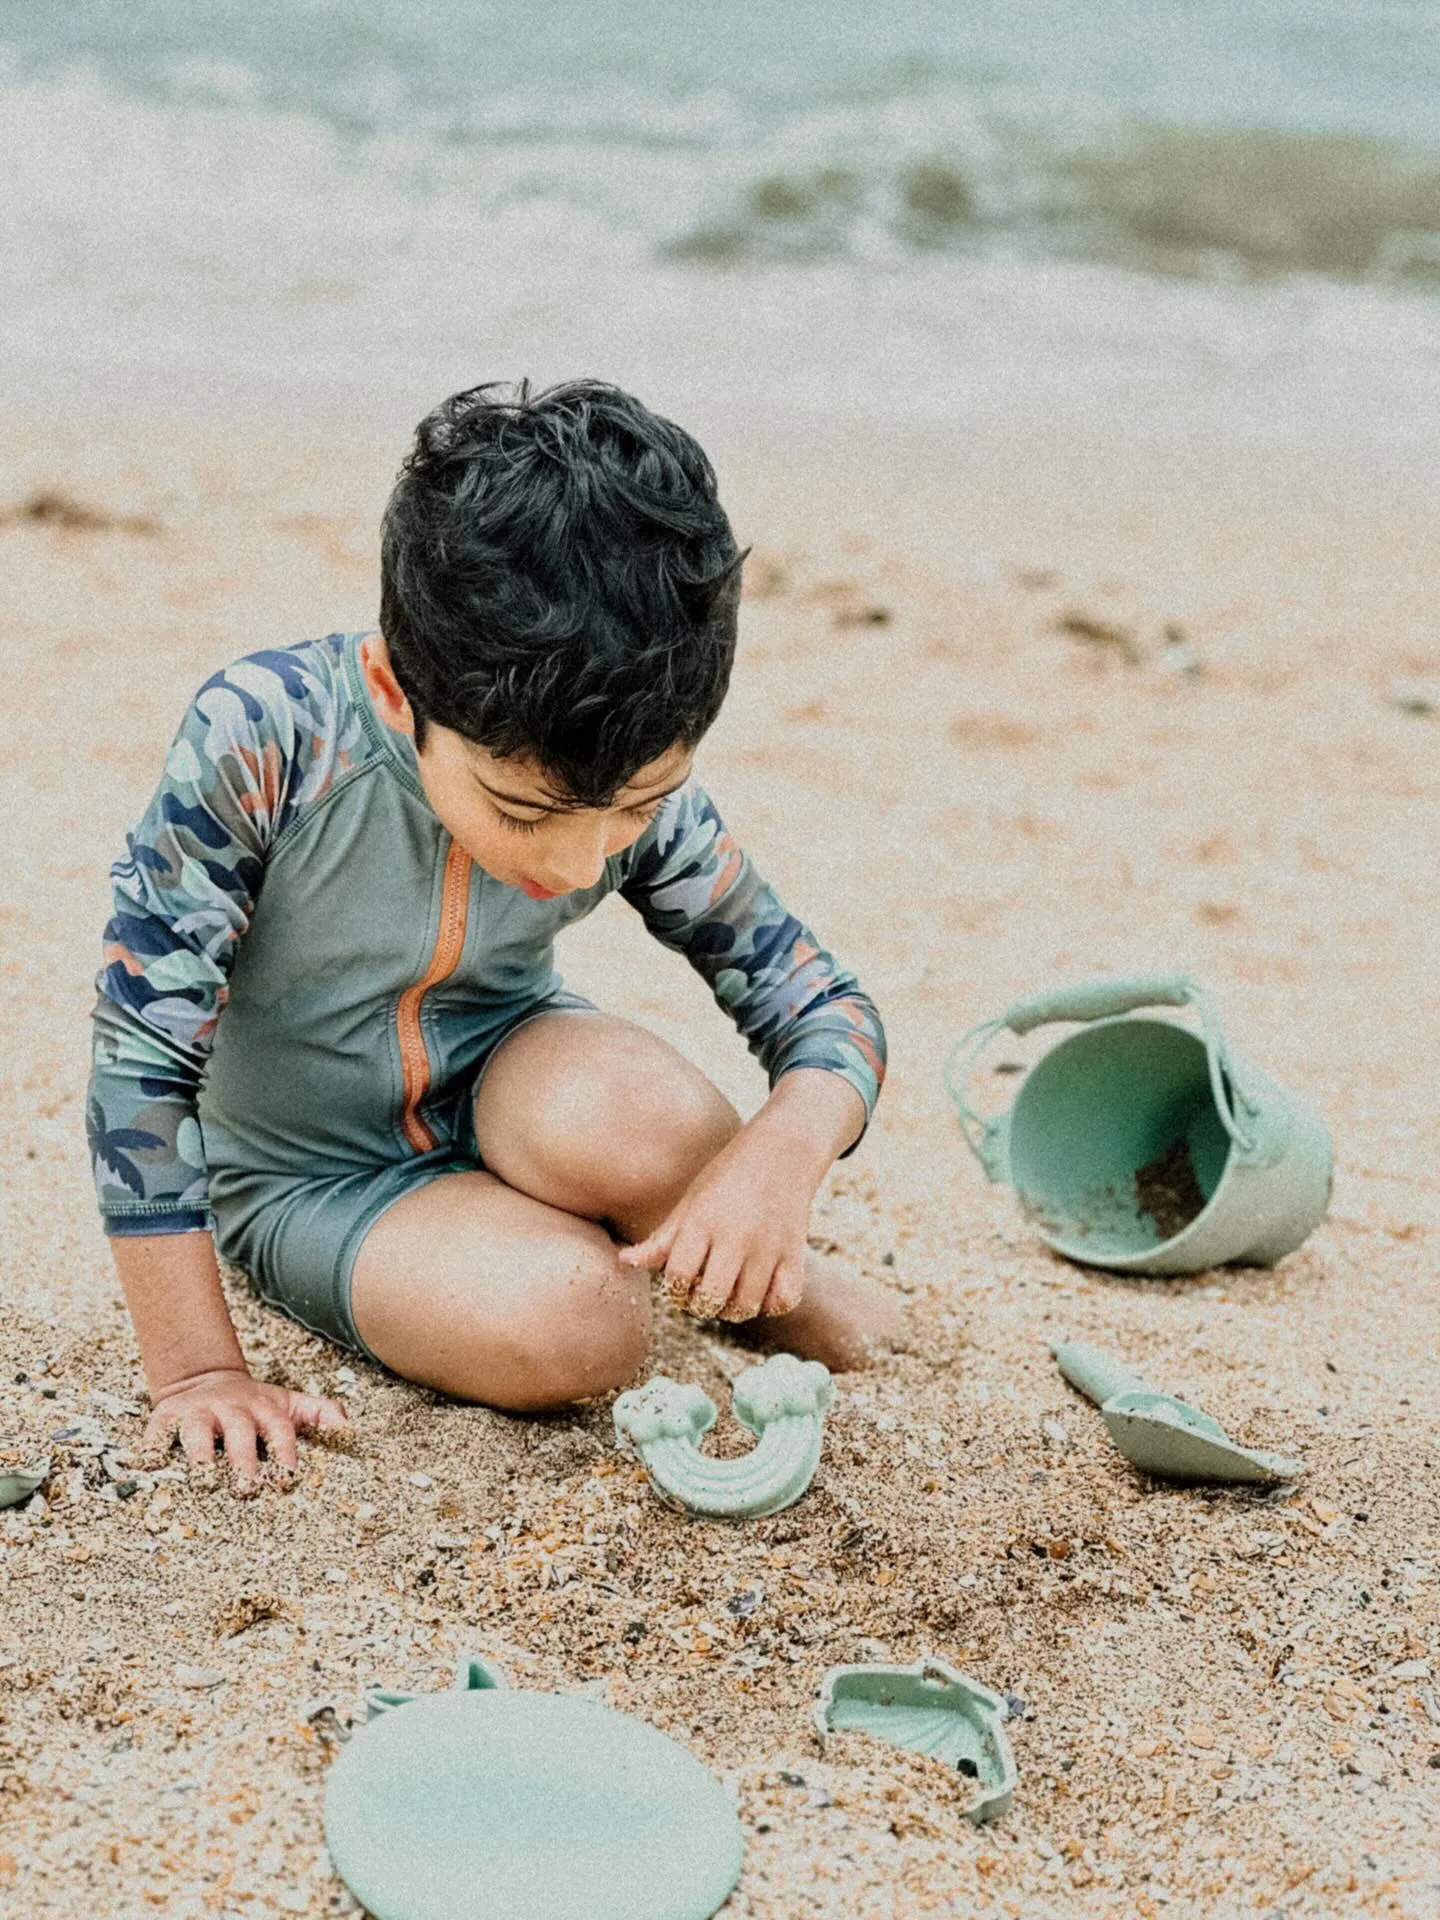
(1226, 1703)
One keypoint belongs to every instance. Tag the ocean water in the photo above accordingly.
(906, 210)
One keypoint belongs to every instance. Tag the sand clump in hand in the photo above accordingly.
(1223, 1703)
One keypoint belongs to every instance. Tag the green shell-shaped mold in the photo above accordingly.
(19, 1483)
(1161, 1435)
(486, 1802)
(783, 1402)
(928, 1708)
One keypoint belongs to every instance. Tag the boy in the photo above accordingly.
(329, 1038)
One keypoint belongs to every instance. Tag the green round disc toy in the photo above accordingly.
(483, 1803)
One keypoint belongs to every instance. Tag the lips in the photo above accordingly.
(532, 892)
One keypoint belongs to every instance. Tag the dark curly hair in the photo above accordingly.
(558, 580)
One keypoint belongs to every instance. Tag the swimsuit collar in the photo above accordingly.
(397, 748)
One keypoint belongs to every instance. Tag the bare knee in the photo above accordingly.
(585, 1331)
(657, 1137)
(615, 1133)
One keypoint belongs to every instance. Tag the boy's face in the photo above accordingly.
(503, 813)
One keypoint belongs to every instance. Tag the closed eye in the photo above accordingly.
(643, 814)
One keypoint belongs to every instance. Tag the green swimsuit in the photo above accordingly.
(290, 874)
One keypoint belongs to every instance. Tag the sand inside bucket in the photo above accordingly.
(1167, 1188)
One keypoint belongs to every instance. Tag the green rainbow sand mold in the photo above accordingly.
(487, 1802)
(783, 1402)
(1160, 1434)
(928, 1708)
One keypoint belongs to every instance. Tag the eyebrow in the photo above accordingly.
(543, 806)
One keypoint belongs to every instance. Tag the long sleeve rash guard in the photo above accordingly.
(290, 875)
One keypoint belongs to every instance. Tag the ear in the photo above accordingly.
(384, 689)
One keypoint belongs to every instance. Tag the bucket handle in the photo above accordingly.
(1086, 1000)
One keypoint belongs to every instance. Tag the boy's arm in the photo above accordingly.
(194, 1369)
(183, 896)
(700, 894)
(735, 1244)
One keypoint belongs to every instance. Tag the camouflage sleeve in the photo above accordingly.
(258, 741)
(700, 894)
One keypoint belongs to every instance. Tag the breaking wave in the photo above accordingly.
(1222, 203)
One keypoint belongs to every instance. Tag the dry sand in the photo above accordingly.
(1231, 1704)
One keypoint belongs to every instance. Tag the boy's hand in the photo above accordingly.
(244, 1410)
(734, 1246)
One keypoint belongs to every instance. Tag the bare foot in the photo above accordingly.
(844, 1320)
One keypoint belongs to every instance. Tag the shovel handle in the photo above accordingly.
(1099, 999)
(1095, 1373)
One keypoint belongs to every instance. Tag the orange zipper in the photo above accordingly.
(449, 945)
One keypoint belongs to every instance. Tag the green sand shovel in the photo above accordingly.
(1160, 1434)
(1139, 1145)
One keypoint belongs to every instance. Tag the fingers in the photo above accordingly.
(686, 1262)
(159, 1433)
(654, 1252)
(711, 1294)
(278, 1434)
(786, 1290)
(238, 1429)
(197, 1436)
(311, 1411)
(750, 1289)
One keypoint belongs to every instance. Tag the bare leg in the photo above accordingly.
(605, 1120)
(844, 1319)
(503, 1286)
(486, 1294)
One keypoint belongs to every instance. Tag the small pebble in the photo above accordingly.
(201, 1679)
(336, 1575)
(1177, 655)
(421, 1480)
(1418, 697)
(741, 1605)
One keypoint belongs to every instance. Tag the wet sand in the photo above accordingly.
(961, 744)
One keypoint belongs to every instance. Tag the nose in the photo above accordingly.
(579, 862)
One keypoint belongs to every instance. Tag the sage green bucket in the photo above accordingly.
(1142, 1145)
